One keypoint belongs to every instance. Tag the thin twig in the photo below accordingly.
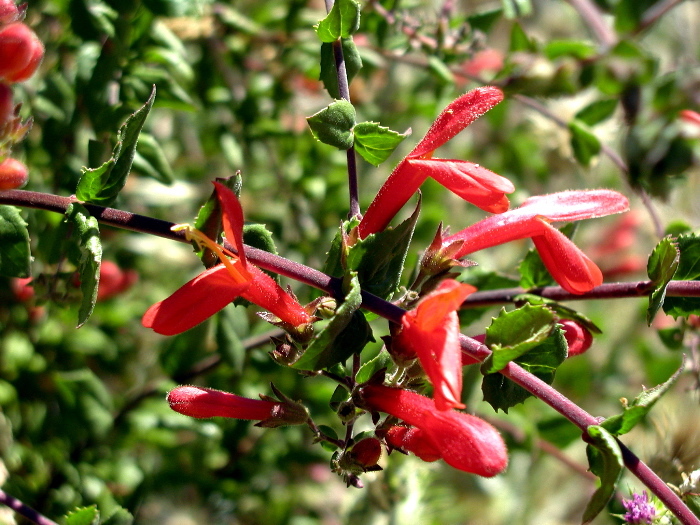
(24, 510)
(593, 17)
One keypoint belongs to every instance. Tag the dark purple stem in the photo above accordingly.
(24, 510)
(393, 313)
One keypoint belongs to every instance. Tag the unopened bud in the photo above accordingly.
(578, 337)
(13, 174)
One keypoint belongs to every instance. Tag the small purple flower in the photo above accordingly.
(639, 509)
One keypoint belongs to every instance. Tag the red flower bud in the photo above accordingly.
(13, 174)
(21, 52)
(199, 402)
(367, 452)
(22, 289)
(114, 281)
(578, 337)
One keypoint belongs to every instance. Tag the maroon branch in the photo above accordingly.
(393, 313)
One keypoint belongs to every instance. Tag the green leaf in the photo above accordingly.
(379, 258)
(440, 70)
(101, 185)
(371, 367)
(329, 73)
(584, 143)
(597, 111)
(519, 41)
(336, 262)
(341, 22)
(688, 270)
(569, 48)
(629, 13)
(15, 255)
(83, 516)
(86, 253)
(485, 20)
(633, 413)
(333, 124)
(514, 333)
(121, 516)
(150, 160)
(541, 361)
(563, 312)
(228, 343)
(375, 143)
(661, 267)
(533, 273)
(605, 460)
(346, 333)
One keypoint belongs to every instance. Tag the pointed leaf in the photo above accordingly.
(15, 257)
(605, 459)
(86, 253)
(597, 111)
(541, 361)
(101, 185)
(383, 360)
(333, 124)
(346, 333)
(329, 73)
(688, 270)
(375, 143)
(83, 516)
(152, 161)
(584, 143)
(661, 267)
(379, 258)
(638, 409)
(342, 21)
(512, 334)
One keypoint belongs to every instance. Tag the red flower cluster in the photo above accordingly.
(21, 52)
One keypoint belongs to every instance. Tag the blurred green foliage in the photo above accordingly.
(82, 415)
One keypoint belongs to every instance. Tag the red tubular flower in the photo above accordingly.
(473, 183)
(431, 332)
(216, 287)
(202, 402)
(414, 440)
(570, 267)
(464, 441)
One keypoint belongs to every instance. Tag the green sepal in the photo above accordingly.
(375, 143)
(512, 334)
(541, 361)
(15, 255)
(101, 185)
(333, 124)
(661, 267)
(633, 413)
(688, 270)
(85, 251)
(605, 460)
(346, 333)
(329, 73)
(83, 516)
(584, 143)
(342, 21)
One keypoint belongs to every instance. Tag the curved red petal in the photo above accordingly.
(194, 302)
(231, 218)
(466, 442)
(569, 266)
(403, 182)
(266, 293)
(457, 116)
(575, 205)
